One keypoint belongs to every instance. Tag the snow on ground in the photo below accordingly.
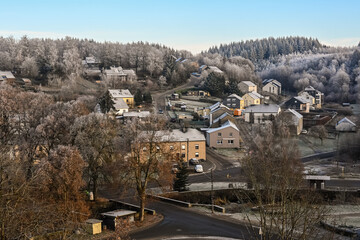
(217, 185)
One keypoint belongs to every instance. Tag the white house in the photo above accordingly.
(345, 125)
(272, 86)
(261, 113)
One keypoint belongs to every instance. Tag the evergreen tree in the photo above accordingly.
(182, 178)
(138, 97)
(106, 102)
(215, 84)
(147, 97)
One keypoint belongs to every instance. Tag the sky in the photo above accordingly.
(193, 25)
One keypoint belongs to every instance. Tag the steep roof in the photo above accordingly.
(263, 108)
(295, 113)
(254, 95)
(224, 125)
(120, 104)
(302, 99)
(235, 96)
(345, 119)
(120, 93)
(272, 81)
(249, 83)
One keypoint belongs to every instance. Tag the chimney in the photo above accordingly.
(210, 120)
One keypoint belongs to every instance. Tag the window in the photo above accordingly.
(230, 141)
(234, 104)
(183, 155)
(157, 148)
(144, 149)
(219, 142)
(171, 147)
(230, 134)
(197, 146)
(219, 134)
(183, 147)
(127, 100)
(233, 99)
(229, 99)
(196, 154)
(229, 104)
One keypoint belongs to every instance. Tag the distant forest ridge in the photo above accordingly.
(266, 48)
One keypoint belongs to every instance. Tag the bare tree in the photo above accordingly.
(319, 131)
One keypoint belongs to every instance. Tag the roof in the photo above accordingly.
(273, 82)
(249, 83)
(6, 74)
(254, 95)
(177, 135)
(302, 100)
(295, 113)
(118, 213)
(217, 106)
(221, 117)
(235, 96)
(263, 108)
(120, 104)
(92, 221)
(225, 125)
(115, 71)
(120, 93)
(142, 114)
(345, 119)
(129, 72)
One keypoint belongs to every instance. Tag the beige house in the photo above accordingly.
(272, 86)
(345, 125)
(261, 113)
(247, 86)
(226, 136)
(252, 98)
(319, 96)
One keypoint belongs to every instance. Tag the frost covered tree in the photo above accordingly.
(72, 62)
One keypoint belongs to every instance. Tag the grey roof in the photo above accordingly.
(120, 93)
(272, 81)
(254, 95)
(142, 114)
(302, 99)
(91, 220)
(345, 119)
(236, 96)
(129, 72)
(249, 83)
(120, 104)
(177, 135)
(225, 125)
(263, 108)
(118, 213)
(217, 106)
(221, 117)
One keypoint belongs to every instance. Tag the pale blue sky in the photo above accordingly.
(194, 25)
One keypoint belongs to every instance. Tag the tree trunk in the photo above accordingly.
(94, 187)
(142, 206)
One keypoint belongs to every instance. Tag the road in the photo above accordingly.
(180, 221)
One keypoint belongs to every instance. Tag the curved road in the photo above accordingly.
(180, 221)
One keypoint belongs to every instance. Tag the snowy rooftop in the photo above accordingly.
(120, 104)
(142, 114)
(177, 135)
(249, 83)
(118, 213)
(263, 108)
(345, 119)
(302, 100)
(225, 125)
(6, 74)
(272, 81)
(255, 95)
(236, 96)
(120, 93)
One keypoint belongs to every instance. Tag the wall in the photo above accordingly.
(213, 137)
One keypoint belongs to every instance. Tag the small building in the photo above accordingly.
(123, 94)
(7, 76)
(119, 74)
(199, 93)
(120, 106)
(111, 218)
(247, 86)
(319, 96)
(298, 104)
(234, 101)
(345, 125)
(175, 96)
(272, 86)
(93, 226)
(261, 113)
(225, 136)
(296, 121)
(252, 98)
(27, 81)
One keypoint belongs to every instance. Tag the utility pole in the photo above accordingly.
(212, 191)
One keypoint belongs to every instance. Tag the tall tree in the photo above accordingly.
(215, 84)
(106, 102)
(182, 177)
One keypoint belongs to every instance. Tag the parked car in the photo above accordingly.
(202, 160)
(194, 161)
(199, 168)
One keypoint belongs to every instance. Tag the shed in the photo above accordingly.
(111, 217)
(345, 125)
(93, 226)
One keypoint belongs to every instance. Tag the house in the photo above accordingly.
(93, 226)
(119, 74)
(210, 69)
(225, 136)
(252, 98)
(234, 101)
(7, 76)
(120, 106)
(298, 103)
(308, 97)
(345, 125)
(110, 218)
(261, 113)
(175, 96)
(123, 94)
(295, 121)
(319, 96)
(188, 143)
(272, 86)
(247, 86)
